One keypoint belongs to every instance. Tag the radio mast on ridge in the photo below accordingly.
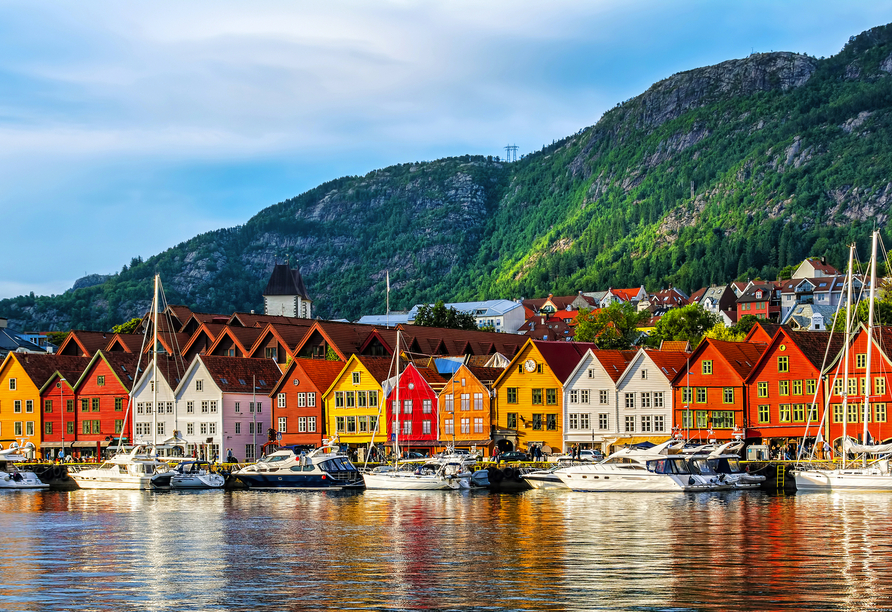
(511, 151)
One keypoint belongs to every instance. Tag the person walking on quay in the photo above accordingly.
(828, 451)
(495, 454)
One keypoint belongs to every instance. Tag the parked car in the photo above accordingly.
(514, 456)
(584, 455)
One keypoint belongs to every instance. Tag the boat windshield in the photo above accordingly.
(276, 458)
(668, 466)
(726, 465)
(703, 466)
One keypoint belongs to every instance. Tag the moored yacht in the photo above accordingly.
(323, 468)
(11, 478)
(133, 470)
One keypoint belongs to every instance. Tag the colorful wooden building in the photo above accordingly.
(465, 409)
(297, 400)
(353, 404)
(412, 409)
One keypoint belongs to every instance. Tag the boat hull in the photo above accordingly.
(89, 480)
(843, 480)
(311, 481)
(26, 481)
(410, 482)
(197, 481)
(544, 481)
(640, 481)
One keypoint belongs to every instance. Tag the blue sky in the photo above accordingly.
(127, 128)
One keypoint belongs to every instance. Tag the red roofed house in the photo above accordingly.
(297, 400)
(412, 408)
(467, 398)
(710, 392)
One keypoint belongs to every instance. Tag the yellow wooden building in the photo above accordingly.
(529, 395)
(353, 403)
(465, 409)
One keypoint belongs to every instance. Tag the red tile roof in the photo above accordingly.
(239, 375)
(563, 357)
(675, 345)
(39, 367)
(669, 362)
(614, 362)
(87, 342)
(320, 371)
(741, 356)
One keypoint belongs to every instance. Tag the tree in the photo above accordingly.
(720, 332)
(614, 327)
(127, 328)
(745, 324)
(882, 314)
(440, 316)
(56, 338)
(686, 323)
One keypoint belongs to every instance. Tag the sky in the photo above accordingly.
(127, 128)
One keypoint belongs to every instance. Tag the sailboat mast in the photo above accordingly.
(155, 364)
(396, 409)
(867, 381)
(845, 387)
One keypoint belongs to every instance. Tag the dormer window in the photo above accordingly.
(758, 295)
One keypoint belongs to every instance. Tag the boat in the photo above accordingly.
(323, 468)
(125, 470)
(662, 468)
(874, 475)
(547, 479)
(723, 461)
(14, 479)
(196, 475)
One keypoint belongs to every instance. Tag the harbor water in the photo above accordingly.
(392, 550)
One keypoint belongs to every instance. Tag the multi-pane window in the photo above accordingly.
(630, 400)
(17, 406)
(407, 428)
(190, 407)
(880, 412)
(203, 428)
(784, 412)
(551, 397)
(100, 381)
(861, 360)
(603, 421)
(339, 399)
(48, 427)
(199, 385)
(687, 395)
(250, 452)
(723, 419)
(645, 423)
(283, 424)
(425, 427)
(854, 409)
(465, 399)
(511, 420)
(271, 352)
(706, 366)
(69, 405)
(466, 425)
(301, 400)
(584, 421)
(47, 405)
(205, 406)
(301, 424)
(119, 404)
(29, 405)
(838, 386)
(94, 403)
(478, 401)
(551, 422)
(797, 387)
(238, 427)
(12, 386)
(350, 396)
(630, 423)
(537, 422)
(574, 421)
(853, 386)
(584, 396)
(407, 406)
(311, 423)
(658, 399)
(783, 363)
(798, 412)
(339, 424)
(702, 419)
(574, 396)
(879, 385)
(602, 396)
(478, 425)
(764, 414)
(645, 399)
(687, 419)
(701, 395)
(281, 400)
(351, 424)
(659, 423)
(811, 386)
(728, 395)
(512, 395)
(160, 428)
(812, 412)
(537, 396)
(426, 407)
(356, 377)
(449, 426)
(783, 387)
(449, 403)
(119, 426)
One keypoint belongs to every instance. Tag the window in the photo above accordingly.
(301, 400)
(119, 426)
(645, 423)
(837, 413)
(339, 399)
(584, 421)
(95, 404)
(687, 395)
(465, 425)
(311, 423)
(213, 407)
(17, 428)
(449, 426)
(810, 387)
(69, 405)
(160, 428)
(702, 419)
(119, 404)
(701, 395)
(48, 406)
(537, 396)
(538, 368)
(591, 373)
(425, 427)
(645, 399)
(783, 387)
(100, 381)
(250, 452)
(407, 428)
(551, 397)
(630, 400)
(551, 422)
(879, 385)
(584, 396)
(351, 424)
(706, 366)
(281, 399)
(190, 407)
(449, 403)
(687, 419)
(203, 428)
(861, 360)
(407, 406)
(658, 399)
(853, 413)
(199, 385)
(238, 427)
(362, 399)
(537, 422)
(853, 386)
(574, 421)
(271, 352)
(643, 374)
(880, 413)
(301, 424)
(630, 423)
(48, 427)
(357, 377)
(723, 419)
(511, 420)
(339, 424)
(17, 406)
(784, 412)
(783, 363)
(426, 407)
(799, 412)
(12, 387)
(311, 399)
(764, 414)
(512, 395)
(465, 401)
(478, 401)
(574, 396)
(283, 425)
(838, 386)
(603, 421)
(350, 399)
(797, 387)
(69, 427)
(602, 397)
(205, 407)
(259, 407)
(728, 395)
(812, 412)
(478, 425)
(659, 423)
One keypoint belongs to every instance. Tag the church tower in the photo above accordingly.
(286, 295)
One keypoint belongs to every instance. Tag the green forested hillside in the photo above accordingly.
(724, 172)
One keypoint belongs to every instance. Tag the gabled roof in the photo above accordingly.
(286, 281)
(345, 339)
(10, 342)
(182, 313)
(670, 363)
(243, 337)
(322, 372)
(378, 367)
(125, 343)
(739, 356)
(614, 362)
(287, 335)
(762, 331)
(39, 367)
(173, 343)
(250, 319)
(562, 357)
(122, 365)
(671, 297)
(239, 375)
(766, 289)
(486, 376)
(812, 344)
(675, 345)
(211, 331)
(83, 343)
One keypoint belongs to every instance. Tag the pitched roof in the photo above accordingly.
(669, 362)
(39, 367)
(286, 281)
(741, 356)
(87, 342)
(239, 375)
(563, 357)
(289, 335)
(614, 362)
(244, 337)
(10, 342)
(250, 319)
(486, 375)
(123, 365)
(675, 345)
(378, 367)
(321, 371)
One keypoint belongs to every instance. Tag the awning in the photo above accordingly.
(638, 439)
(53, 444)
(88, 444)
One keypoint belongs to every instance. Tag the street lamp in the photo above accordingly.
(62, 412)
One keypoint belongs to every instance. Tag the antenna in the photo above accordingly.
(511, 152)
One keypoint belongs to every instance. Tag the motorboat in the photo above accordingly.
(661, 468)
(547, 479)
(323, 468)
(189, 475)
(723, 461)
(435, 474)
(13, 479)
(133, 470)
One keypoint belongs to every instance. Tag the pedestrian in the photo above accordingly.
(495, 454)
(828, 451)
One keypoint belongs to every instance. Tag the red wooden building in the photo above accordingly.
(710, 393)
(875, 384)
(785, 385)
(297, 400)
(57, 401)
(418, 421)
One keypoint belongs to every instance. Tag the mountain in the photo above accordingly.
(724, 172)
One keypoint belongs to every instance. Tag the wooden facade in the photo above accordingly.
(465, 409)
(412, 408)
(297, 400)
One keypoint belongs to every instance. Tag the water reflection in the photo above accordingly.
(539, 550)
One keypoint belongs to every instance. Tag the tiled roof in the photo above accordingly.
(122, 364)
(697, 295)
(290, 335)
(41, 366)
(244, 337)
(741, 356)
(250, 319)
(88, 342)
(813, 345)
(131, 343)
(669, 362)
(378, 367)
(182, 313)
(239, 375)
(614, 362)
(563, 357)
(817, 264)
(286, 281)
(675, 345)
(171, 368)
(485, 375)
(441, 341)
(346, 338)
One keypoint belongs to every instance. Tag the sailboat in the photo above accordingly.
(431, 475)
(874, 475)
(135, 469)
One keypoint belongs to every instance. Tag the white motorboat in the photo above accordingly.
(323, 468)
(723, 462)
(13, 479)
(661, 468)
(133, 470)
(195, 475)
(437, 474)
(547, 479)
